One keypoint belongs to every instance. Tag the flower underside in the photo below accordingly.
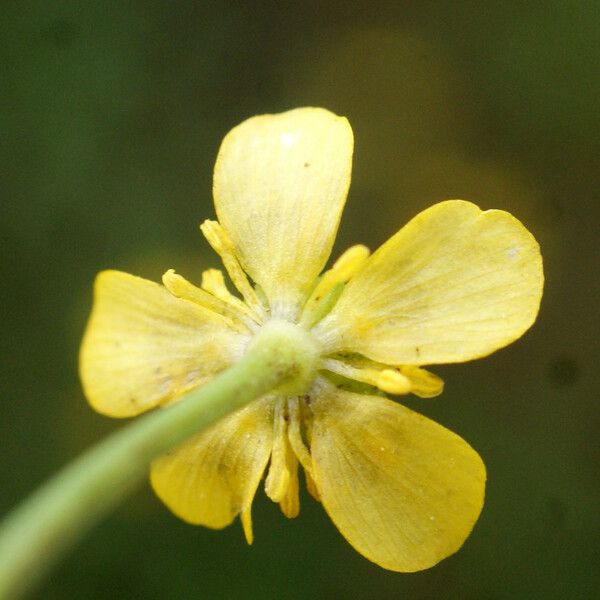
(454, 284)
(291, 415)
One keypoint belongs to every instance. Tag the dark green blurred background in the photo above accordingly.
(111, 116)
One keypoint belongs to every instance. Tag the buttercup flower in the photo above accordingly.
(452, 285)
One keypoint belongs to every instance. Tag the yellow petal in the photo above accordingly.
(454, 284)
(280, 185)
(403, 490)
(213, 477)
(144, 347)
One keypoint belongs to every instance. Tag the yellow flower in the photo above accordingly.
(454, 284)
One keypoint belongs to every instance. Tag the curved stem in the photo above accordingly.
(37, 533)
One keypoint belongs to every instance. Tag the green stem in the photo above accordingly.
(36, 533)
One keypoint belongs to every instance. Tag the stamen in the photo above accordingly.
(386, 379)
(311, 317)
(261, 295)
(214, 283)
(281, 484)
(290, 504)
(278, 476)
(295, 436)
(182, 288)
(222, 245)
(299, 447)
(246, 519)
(344, 268)
(423, 383)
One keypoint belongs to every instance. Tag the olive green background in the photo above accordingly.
(111, 116)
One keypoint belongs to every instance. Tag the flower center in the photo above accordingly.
(297, 347)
